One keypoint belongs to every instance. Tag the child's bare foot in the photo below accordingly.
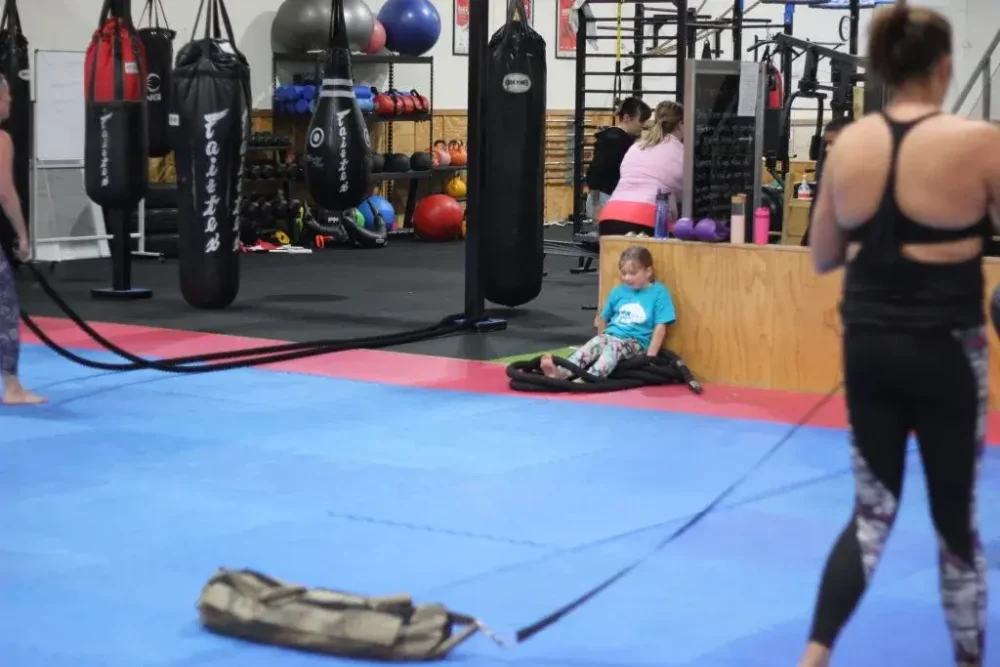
(15, 394)
(549, 367)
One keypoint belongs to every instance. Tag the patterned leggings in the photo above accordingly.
(935, 384)
(10, 335)
(602, 353)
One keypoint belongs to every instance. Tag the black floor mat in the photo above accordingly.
(338, 293)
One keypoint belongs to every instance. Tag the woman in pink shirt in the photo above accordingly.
(654, 162)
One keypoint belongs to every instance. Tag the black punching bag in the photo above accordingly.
(158, 41)
(210, 118)
(514, 158)
(15, 67)
(337, 166)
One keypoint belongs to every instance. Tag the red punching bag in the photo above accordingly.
(116, 135)
(116, 139)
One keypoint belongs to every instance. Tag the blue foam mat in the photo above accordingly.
(119, 500)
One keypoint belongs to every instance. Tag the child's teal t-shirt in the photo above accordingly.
(634, 313)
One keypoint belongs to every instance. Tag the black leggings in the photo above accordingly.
(933, 383)
(621, 228)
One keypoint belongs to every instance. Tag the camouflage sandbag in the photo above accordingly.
(253, 606)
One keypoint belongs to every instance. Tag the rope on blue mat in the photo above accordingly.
(666, 368)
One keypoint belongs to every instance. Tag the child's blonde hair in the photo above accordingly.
(667, 117)
(638, 254)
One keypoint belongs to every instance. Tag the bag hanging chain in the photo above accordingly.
(11, 20)
(156, 11)
(338, 29)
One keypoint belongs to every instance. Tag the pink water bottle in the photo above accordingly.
(761, 225)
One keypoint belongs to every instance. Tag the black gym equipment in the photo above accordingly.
(648, 41)
(664, 369)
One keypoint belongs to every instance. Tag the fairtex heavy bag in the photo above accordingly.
(337, 166)
(210, 123)
(15, 68)
(514, 162)
(116, 172)
(158, 41)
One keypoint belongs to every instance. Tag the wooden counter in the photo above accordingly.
(756, 316)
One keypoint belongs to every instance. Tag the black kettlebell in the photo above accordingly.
(378, 163)
(421, 161)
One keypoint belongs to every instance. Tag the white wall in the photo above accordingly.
(68, 24)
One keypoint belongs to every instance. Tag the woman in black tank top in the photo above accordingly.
(914, 360)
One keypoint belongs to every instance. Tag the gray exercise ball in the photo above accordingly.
(304, 25)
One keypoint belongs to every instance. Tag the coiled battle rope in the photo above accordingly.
(245, 358)
(664, 369)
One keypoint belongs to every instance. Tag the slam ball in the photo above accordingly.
(412, 27)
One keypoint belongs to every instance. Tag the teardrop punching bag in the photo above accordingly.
(514, 146)
(210, 119)
(158, 41)
(116, 173)
(15, 67)
(337, 166)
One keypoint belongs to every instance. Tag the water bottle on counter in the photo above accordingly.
(661, 228)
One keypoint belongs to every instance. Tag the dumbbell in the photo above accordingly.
(283, 171)
(280, 208)
(267, 172)
(255, 173)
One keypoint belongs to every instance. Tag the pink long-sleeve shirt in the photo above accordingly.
(643, 172)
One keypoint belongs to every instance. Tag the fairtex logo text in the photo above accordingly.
(105, 151)
(212, 199)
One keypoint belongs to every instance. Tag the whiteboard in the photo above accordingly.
(59, 106)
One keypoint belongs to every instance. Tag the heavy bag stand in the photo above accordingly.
(667, 368)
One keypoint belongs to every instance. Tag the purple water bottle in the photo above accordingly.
(661, 229)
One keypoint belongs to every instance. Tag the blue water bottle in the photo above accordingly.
(661, 229)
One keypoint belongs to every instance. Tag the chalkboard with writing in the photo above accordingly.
(722, 138)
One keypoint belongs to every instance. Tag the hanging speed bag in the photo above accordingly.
(210, 119)
(514, 163)
(159, 46)
(337, 168)
(116, 173)
(15, 67)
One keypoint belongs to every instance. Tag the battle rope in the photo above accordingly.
(665, 369)
(261, 355)
(528, 631)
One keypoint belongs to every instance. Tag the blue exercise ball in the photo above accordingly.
(384, 208)
(412, 27)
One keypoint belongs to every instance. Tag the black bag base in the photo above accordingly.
(112, 294)
(665, 369)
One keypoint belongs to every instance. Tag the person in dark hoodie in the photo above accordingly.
(609, 150)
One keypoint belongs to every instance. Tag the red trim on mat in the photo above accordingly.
(414, 370)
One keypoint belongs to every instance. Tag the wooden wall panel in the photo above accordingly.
(757, 316)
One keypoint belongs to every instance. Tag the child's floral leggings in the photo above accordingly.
(601, 354)
(10, 335)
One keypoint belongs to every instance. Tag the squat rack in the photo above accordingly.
(649, 19)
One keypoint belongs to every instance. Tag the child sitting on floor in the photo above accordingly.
(634, 320)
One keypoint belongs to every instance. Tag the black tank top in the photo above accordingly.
(882, 287)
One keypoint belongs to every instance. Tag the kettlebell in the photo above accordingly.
(456, 188)
(442, 158)
(378, 163)
(457, 150)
